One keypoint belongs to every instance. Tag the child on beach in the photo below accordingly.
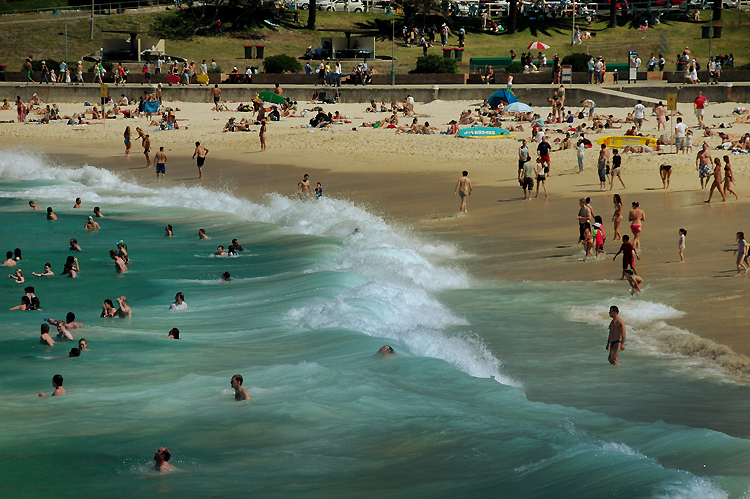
(599, 235)
(636, 282)
(627, 250)
(741, 253)
(262, 135)
(681, 244)
(318, 191)
(689, 141)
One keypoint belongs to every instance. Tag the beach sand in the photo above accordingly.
(410, 180)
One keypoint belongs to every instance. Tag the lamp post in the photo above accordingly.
(393, 47)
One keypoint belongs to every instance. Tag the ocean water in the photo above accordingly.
(498, 389)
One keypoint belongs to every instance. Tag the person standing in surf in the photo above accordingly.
(161, 167)
(464, 188)
(201, 152)
(616, 339)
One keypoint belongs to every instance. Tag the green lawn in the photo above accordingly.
(46, 39)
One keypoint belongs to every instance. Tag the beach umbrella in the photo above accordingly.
(271, 97)
(537, 46)
(501, 96)
(518, 107)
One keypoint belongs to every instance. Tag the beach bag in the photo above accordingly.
(580, 115)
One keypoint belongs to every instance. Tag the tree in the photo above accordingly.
(512, 16)
(717, 10)
(612, 14)
(200, 18)
(312, 13)
(413, 8)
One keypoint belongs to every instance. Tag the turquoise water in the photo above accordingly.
(498, 389)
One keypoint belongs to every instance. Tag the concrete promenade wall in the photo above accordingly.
(535, 94)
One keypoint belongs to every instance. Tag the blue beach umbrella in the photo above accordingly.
(501, 96)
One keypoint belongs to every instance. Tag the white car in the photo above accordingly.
(341, 5)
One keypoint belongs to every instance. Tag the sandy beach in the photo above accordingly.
(410, 179)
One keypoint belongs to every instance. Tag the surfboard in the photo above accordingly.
(510, 136)
(173, 79)
(203, 79)
(483, 132)
(626, 140)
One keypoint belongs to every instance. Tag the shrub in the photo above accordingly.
(579, 61)
(216, 70)
(433, 64)
(282, 63)
(514, 67)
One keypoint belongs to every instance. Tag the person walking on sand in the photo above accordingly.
(216, 96)
(201, 152)
(526, 179)
(616, 164)
(161, 169)
(703, 164)
(602, 165)
(616, 338)
(126, 139)
(617, 216)
(728, 178)
(741, 253)
(699, 104)
(580, 150)
(146, 143)
(718, 182)
(541, 177)
(681, 244)
(464, 188)
(636, 217)
(262, 135)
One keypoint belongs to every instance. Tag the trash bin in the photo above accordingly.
(249, 51)
(447, 53)
(705, 32)
(2, 68)
(458, 52)
(717, 30)
(259, 49)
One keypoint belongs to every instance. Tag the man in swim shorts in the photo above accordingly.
(160, 159)
(703, 163)
(201, 152)
(216, 94)
(146, 143)
(463, 188)
(303, 188)
(616, 339)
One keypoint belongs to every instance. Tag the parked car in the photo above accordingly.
(341, 5)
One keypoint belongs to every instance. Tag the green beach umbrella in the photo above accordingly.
(271, 97)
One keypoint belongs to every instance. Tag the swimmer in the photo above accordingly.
(122, 251)
(74, 246)
(237, 245)
(239, 392)
(83, 345)
(78, 203)
(74, 352)
(97, 212)
(226, 276)
(124, 312)
(179, 303)
(616, 339)
(174, 334)
(47, 271)
(71, 267)
(168, 231)
(18, 276)
(119, 262)
(69, 322)
(50, 214)
(636, 282)
(386, 351)
(17, 254)
(45, 338)
(34, 206)
(25, 304)
(33, 300)
(220, 251)
(91, 224)
(202, 234)
(108, 309)
(161, 460)
(57, 384)
(9, 260)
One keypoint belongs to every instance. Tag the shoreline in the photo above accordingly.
(508, 239)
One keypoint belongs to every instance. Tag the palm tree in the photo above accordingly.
(311, 14)
(612, 14)
(717, 10)
(512, 16)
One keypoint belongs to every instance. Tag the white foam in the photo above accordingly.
(402, 271)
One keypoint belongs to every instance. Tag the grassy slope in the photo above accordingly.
(46, 40)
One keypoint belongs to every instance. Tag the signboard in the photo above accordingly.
(672, 102)
(105, 92)
(567, 74)
(632, 68)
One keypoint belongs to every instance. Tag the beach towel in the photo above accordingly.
(151, 107)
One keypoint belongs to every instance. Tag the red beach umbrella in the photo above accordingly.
(537, 46)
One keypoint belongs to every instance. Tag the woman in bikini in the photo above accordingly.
(717, 183)
(728, 177)
(617, 217)
(665, 172)
(636, 217)
(588, 238)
